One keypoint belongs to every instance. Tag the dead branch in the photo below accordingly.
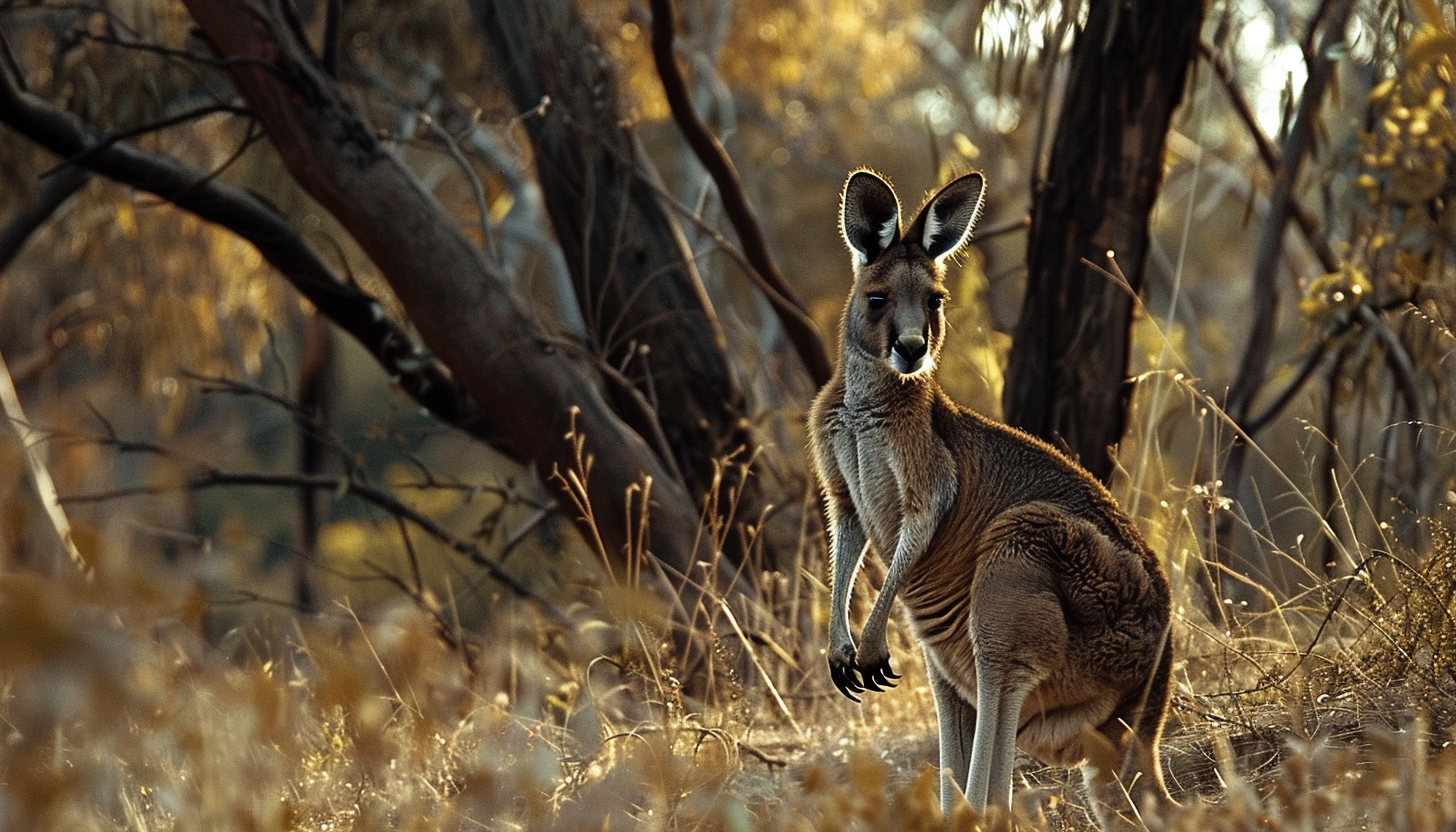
(793, 315)
(141, 130)
(1328, 29)
(1273, 159)
(461, 303)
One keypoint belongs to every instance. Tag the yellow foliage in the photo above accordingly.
(1335, 295)
(814, 51)
(347, 541)
(1407, 157)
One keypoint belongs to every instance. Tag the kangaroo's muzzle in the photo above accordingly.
(908, 354)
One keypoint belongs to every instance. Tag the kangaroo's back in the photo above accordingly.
(1043, 613)
(1002, 466)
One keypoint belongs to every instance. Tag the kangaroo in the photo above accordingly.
(1042, 613)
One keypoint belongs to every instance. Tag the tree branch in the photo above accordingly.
(52, 195)
(463, 306)
(161, 124)
(1330, 25)
(793, 315)
(249, 216)
(218, 478)
(1368, 315)
(1273, 160)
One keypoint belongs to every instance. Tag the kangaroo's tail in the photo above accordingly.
(1124, 774)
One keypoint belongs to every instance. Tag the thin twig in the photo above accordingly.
(278, 240)
(218, 478)
(45, 487)
(182, 54)
(487, 237)
(253, 134)
(151, 127)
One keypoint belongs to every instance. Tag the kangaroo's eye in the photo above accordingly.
(877, 302)
(935, 302)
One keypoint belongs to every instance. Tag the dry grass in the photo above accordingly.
(117, 714)
(121, 708)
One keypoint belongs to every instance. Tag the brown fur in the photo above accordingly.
(1033, 595)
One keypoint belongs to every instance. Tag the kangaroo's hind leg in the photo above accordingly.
(1019, 631)
(956, 719)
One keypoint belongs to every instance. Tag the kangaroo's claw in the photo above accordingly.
(879, 676)
(846, 679)
(844, 671)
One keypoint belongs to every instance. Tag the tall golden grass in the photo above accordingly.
(1332, 710)
(1327, 708)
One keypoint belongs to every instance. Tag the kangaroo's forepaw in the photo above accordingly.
(843, 670)
(878, 675)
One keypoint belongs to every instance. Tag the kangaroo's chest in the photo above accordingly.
(874, 475)
(890, 469)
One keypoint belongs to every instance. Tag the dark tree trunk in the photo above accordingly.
(530, 388)
(1069, 359)
(315, 405)
(640, 294)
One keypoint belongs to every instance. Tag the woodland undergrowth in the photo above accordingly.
(1332, 708)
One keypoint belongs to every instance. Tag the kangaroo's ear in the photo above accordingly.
(869, 216)
(946, 221)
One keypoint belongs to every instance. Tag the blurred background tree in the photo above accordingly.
(569, 356)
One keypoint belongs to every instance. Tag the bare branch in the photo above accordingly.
(487, 239)
(793, 315)
(1370, 317)
(218, 478)
(458, 298)
(1309, 226)
(309, 422)
(1306, 369)
(1399, 360)
(249, 216)
(180, 54)
(1330, 25)
(52, 195)
(161, 124)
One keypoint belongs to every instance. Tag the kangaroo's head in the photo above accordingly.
(895, 315)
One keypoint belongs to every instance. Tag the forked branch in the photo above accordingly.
(461, 303)
(1327, 31)
(1273, 160)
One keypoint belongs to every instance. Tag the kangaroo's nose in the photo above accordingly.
(910, 347)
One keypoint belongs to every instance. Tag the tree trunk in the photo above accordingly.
(528, 386)
(1068, 363)
(640, 294)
